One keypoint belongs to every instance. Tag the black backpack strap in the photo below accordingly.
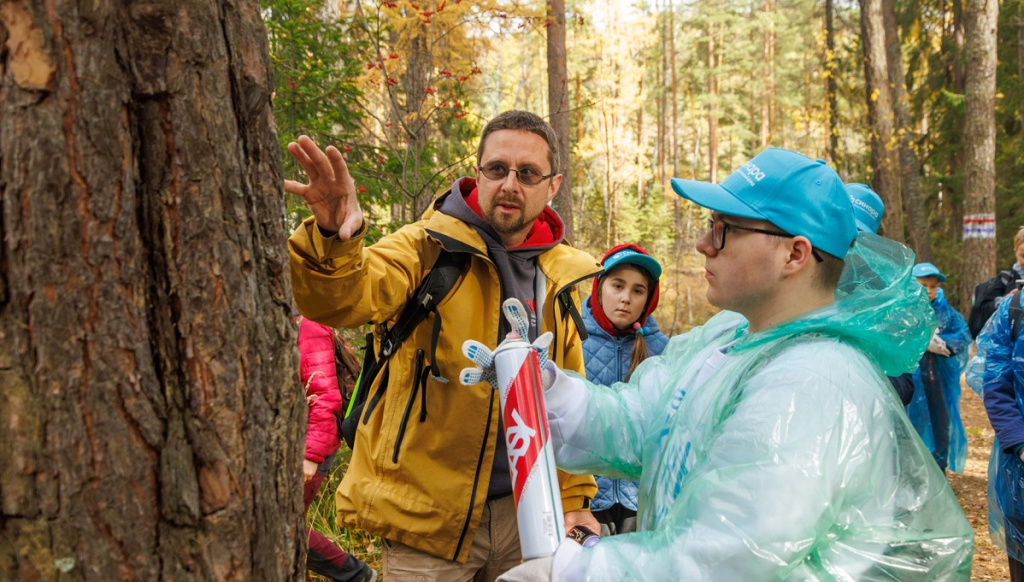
(567, 305)
(437, 284)
(1016, 314)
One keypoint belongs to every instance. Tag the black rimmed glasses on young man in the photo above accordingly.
(527, 176)
(720, 227)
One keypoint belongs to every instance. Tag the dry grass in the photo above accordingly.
(321, 518)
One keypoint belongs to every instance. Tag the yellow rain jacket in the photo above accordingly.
(420, 469)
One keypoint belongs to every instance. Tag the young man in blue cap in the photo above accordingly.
(935, 408)
(768, 442)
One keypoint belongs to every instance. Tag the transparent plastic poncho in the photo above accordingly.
(999, 364)
(942, 374)
(793, 460)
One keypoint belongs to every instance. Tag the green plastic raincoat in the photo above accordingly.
(787, 458)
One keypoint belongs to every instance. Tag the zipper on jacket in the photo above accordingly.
(416, 376)
(423, 393)
(476, 478)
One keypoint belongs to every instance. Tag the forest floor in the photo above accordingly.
(989, 560)
(970, 488)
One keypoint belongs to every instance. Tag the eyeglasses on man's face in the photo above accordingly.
(526, 176)
(719, 228)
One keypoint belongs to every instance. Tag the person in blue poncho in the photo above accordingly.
(997, 373)
(935, 408)
(622, 333)
(768, 443)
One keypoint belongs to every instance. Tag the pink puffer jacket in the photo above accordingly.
(319, 375)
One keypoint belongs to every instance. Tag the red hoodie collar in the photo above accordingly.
(598, 312)
(546, 230)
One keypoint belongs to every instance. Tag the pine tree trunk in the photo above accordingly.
(979, 254)
(558, 104)
(152, 420)
(768, 82)
(712, 107)
(910, 165)
(884, 151)
(831, 87)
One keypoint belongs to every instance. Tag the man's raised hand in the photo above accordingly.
(331, 193)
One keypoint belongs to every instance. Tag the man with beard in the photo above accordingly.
(430, 471)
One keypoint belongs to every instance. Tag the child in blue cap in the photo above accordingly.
(935, 408)
(622, 333)
(768, 442)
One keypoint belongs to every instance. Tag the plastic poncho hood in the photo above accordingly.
(782, 454)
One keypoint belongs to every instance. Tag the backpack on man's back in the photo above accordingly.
(983, 301)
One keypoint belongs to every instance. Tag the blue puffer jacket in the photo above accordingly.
(997, 372)
(607, 360)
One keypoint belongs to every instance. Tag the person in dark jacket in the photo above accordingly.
(622, 334)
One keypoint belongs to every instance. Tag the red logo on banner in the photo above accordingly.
(526, 423)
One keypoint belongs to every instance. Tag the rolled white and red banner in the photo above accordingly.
(531, 458)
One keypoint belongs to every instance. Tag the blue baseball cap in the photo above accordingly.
(632, 257)
(801, 196)
(928, 270)
(867, 207)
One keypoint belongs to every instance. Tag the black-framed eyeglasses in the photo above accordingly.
(526, 176)
(720, 227)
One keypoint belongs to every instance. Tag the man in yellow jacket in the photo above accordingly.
(430, 471)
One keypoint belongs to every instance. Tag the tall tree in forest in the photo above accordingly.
(768, 78)
(884, 151)
(152, 420)
(909, 164)
(831, 86)
(558, 104)
(979, 254)
(714, 61)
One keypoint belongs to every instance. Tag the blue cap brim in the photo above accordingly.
(861, 226)
(646, 262)
(714, 197)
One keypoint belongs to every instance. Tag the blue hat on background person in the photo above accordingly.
(867, 207)
(803, 197)
(928, 270)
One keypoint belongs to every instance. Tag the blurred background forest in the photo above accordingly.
(686, 88)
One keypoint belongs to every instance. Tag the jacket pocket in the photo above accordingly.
(416, 375)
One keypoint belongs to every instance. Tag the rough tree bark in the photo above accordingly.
(558, 105)
(910, 165)
(979, 254)
(884, 151)
(151, 424)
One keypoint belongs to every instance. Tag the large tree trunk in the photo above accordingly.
(910, 165)
(558, 104)
(979, 226)
(152, 423)
(884, 152)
